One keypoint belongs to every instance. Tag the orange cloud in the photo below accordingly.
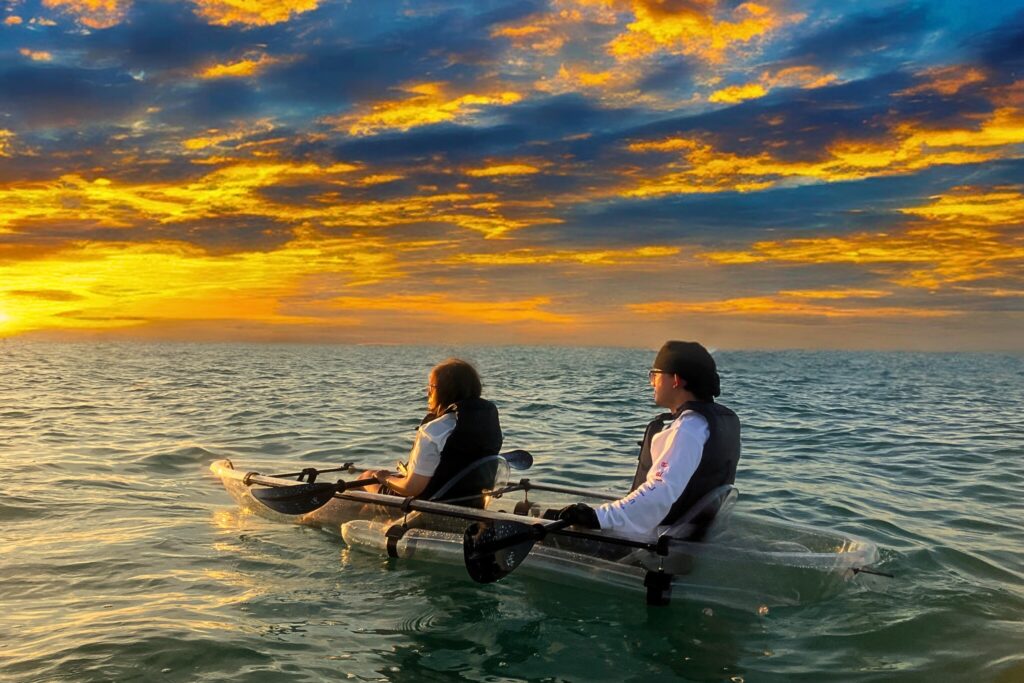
(252, 12)
(695, 28)
(702, 168)
(738, 93)
(237, 189)
(36, 55)
(665, 145)
(807, 77)
(947, 80)
(243, 68)
(487, 312)
(597, 257)
(427, 104)
(834, 293)
(544, 37)
(378, 179)
(12, 20)
(93, 13)
(215, 137)
(615, 84)
(974, 206)
(502, 170)
(780, 305)
(970, 235)
(5, 146)
(109, 285)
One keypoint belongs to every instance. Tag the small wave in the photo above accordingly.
(13, 513)
(179, 460)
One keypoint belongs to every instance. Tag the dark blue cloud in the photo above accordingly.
(160, 36)
(866, 39)
(797, 124)
(450, 47)
(1002, 49)
(44, 95)
(337, 75)
(508, 12)
(556, 117)
(210, 103)
(524, 129)
(714, 219)
(454, 142)
(669, 74)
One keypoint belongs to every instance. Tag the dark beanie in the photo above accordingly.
(693, 363)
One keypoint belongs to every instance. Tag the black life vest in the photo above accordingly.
(477, 434)
(717, 461)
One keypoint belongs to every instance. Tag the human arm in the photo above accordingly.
(676, 453)
(408, 484)
(424, 458)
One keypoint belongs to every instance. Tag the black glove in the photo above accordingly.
(580, 514)
(551, 514)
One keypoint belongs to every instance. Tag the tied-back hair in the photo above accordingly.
(455, 380)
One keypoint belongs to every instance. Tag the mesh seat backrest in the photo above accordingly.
(469, 486)
(695, 522)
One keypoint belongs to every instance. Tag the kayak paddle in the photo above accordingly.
(519, 459)
(308, 496)
(494, 549)
(303, 498)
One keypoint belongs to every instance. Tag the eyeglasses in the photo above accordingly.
(652, 372)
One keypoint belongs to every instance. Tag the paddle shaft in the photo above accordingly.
(455, 511)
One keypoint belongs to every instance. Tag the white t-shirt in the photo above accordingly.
(675, 454)
(430, 440)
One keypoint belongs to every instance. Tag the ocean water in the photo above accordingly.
(122, 558)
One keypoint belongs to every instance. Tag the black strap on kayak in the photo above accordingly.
(394, 534)
(659, 588)
(659, 584)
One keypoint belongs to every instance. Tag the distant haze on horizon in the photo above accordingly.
(753, 175)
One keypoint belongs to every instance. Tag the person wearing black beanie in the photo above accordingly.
(685, 453)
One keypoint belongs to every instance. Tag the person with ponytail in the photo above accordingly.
(684, 454)
(459, 429)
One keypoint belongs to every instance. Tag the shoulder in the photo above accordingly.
(438, 428)
(692, 422)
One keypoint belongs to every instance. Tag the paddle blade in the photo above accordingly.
(494, 549)
(518, 459)
(295, 500)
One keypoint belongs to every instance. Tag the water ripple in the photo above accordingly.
(123, 560)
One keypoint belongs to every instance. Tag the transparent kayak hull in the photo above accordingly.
(745, 561)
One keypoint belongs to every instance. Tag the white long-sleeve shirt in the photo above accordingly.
(675, 454)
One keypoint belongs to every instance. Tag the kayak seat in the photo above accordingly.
(694, 524)
(470, 486)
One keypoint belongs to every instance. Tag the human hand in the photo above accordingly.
(580, 514)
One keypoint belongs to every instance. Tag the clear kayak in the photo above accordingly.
(741, 560)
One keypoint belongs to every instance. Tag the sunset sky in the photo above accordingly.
(769, 174)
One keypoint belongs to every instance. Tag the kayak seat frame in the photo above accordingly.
(695, 523)
(486, 470)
